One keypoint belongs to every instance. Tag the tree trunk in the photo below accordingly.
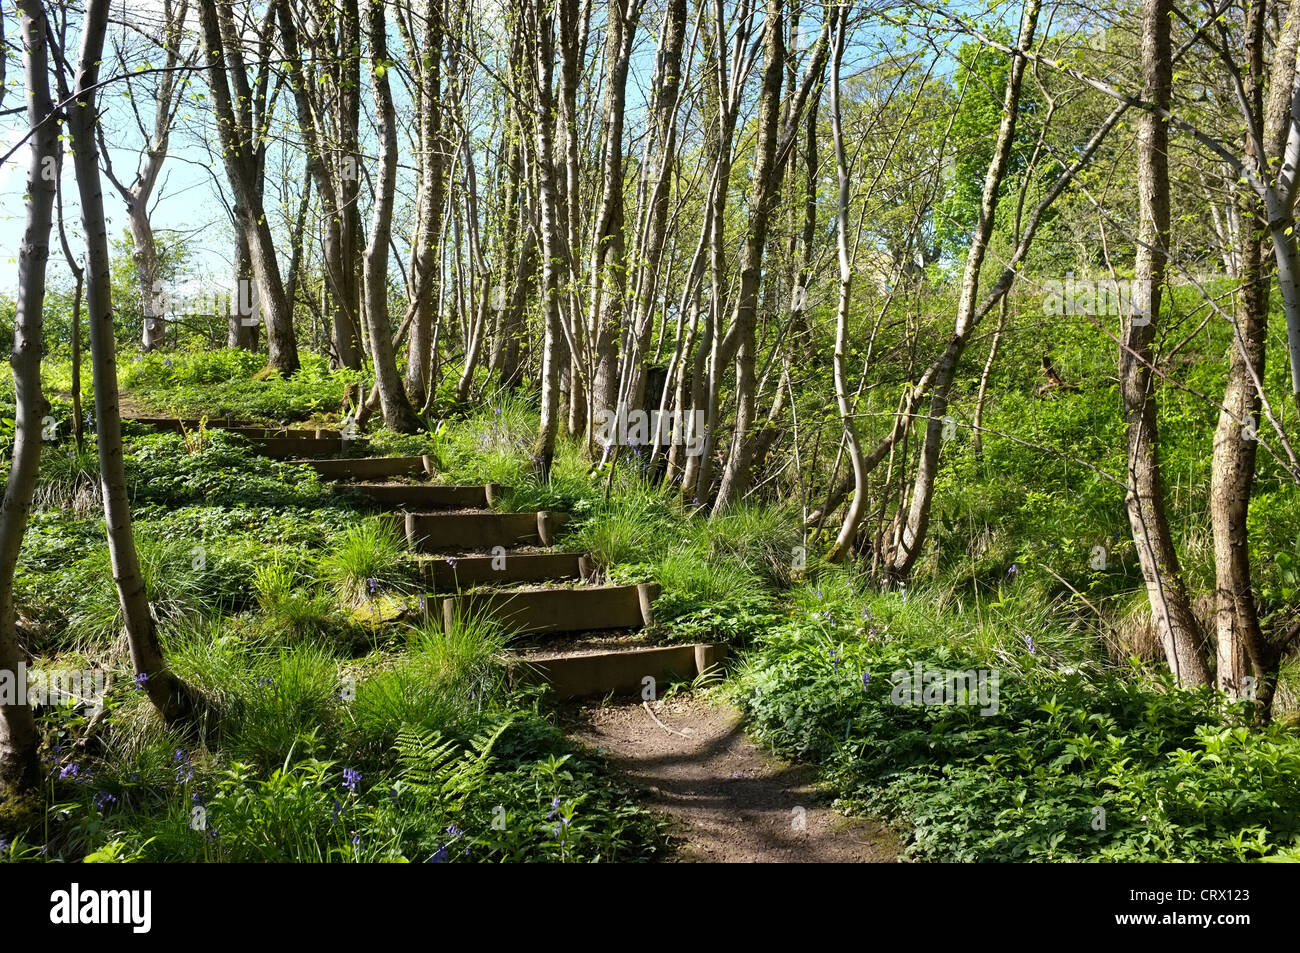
(573, 22)
(398, 413)
(543, 35)
(736, 477)
(657, 179)
(240, 331)
(137, 194)
(226, 62)
(145, 254)
(849, 529)
(432, 197)
(608, 259)
(172, 697)
(697, 480)
(348, 338)
(19, 768)
(775, 138)
(334, 181)
(917, 523)
(1170, 606)
(1241, 647)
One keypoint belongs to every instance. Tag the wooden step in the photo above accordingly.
(615, 672)
(579, 609)
(461, 572)
(424, 495)
(478, 532)
(288, 448)
(371, 468)
(294, 433)
(178, 424)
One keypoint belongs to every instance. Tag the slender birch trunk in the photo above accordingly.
(396, 406)
(914, 527)
(173, 698)
(19, 768)
(852, 519)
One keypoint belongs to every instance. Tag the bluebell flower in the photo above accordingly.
(71, 770)
(103, 800)
(1029, 641)
(338, 809)
(439, 857)
(351, 777)
(1013, 571)
(866, 679)
(454, 831)
(555, 807)
(140, 679)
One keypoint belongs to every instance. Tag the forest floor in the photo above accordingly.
(730, 801)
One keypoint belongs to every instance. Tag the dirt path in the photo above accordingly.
(732, 802)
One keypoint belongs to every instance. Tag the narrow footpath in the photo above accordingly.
(731, 802)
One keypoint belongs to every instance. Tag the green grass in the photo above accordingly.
(368, 559)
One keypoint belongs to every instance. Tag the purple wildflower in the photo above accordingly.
(71, 770)
(440, 857)
(351, 776)
(866, 679)
(103, 800)
(140, 679)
